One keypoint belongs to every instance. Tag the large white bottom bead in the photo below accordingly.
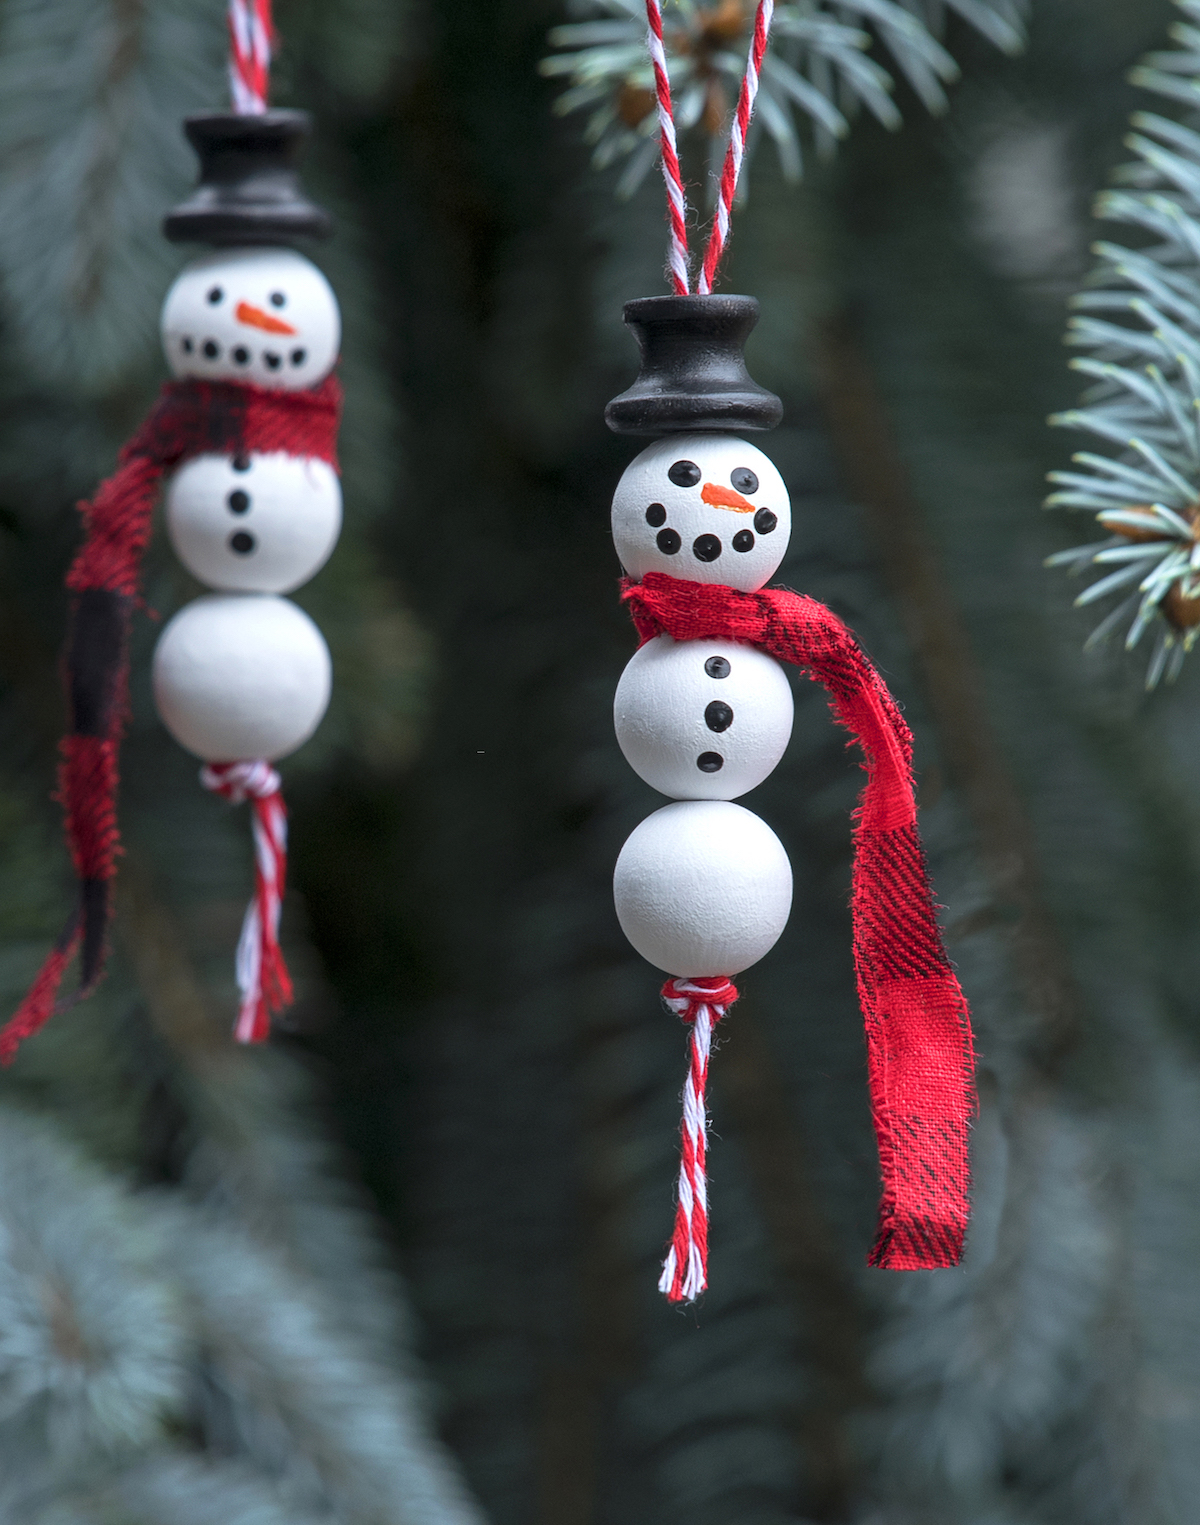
(702, 720)
(702, 888)
(240, 676)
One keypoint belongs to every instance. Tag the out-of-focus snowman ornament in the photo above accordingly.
(703, 713)
(247, 429)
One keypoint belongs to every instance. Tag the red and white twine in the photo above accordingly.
(677, 256)
(701, 1003)
(250, 37)
(734, 154)
(262, 975)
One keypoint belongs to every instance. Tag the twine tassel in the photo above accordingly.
(701, 1003)
(262, 974)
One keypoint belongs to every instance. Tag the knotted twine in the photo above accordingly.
(190, 418)
(920, 1057)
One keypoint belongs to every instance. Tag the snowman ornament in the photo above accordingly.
(703, 713)
(244, 439)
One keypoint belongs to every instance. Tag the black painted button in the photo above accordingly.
(188, 346)
(717, 667)
(656, 514)
(706, 548)
(277, 299)
(211, 349)
(710, 762)
(743, 540)
(273, 361)
(668, 541)
(238, 501)
(744, 479)
(718, 716)
(299, 356)
(241, 542)
(214, 295)
(241, 354)
(765, 521)
(684, 473)
(240, 462)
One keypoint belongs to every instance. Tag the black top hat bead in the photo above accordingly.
(249, 190)
(693, 374)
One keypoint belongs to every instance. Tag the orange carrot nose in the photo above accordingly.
(255, 317)
(717, 496)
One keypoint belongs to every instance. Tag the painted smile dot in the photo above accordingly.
(765, 521)
(684, 473)
(718, 716)
(743, 540)
(273, 361)
(241, 543)
(668, 541)
(242, 355)
(187, 346)
(656, 514)
(710, 762)
(299, 356)
(706, 548)
(211, 348)
(717, 667)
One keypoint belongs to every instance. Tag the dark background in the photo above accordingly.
(475, 1043)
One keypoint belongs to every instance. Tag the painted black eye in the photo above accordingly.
(242, 355)
(743, 541)
(238, 501)
(277, 299)
(706, 548)
(684, 473)
(765, 521)
(668, 542)
(717, 667)
(214, 295)
(273, 361)
(211, 349)
(744, 479)
(240, 462)
(710, 762)
(718, 716)
(187, 346)
(241, 543)
(656, 514)
(299, 356)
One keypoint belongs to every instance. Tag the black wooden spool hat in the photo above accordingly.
(693, 374)
(249, 190)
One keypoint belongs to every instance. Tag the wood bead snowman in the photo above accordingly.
(703, 888)
(703, 713)
(242, 673)
(245, 434)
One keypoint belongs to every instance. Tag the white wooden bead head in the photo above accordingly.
(703, 507)
(263, 315)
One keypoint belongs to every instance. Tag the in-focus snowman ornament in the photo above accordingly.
(703, 713)
(702, 720)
